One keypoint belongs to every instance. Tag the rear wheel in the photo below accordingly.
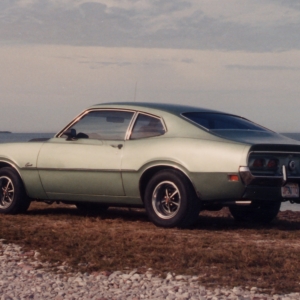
(13, 198)
(170, 200)
(257, 212)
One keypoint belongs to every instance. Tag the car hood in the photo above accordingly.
(255, 137)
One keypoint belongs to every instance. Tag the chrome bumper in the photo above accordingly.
(265, 187)
(264, 180)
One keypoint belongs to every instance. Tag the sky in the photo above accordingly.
(58, 57)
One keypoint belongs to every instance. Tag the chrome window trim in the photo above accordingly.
(81, 115)
(150, 115)
(130, 127)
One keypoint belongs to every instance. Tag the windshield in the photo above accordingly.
(218, 121)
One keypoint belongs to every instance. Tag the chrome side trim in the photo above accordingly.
(79, 170)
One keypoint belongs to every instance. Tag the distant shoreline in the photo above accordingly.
(5, 132)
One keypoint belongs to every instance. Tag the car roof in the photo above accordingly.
(171, 108)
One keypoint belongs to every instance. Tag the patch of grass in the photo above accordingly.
(218, 250)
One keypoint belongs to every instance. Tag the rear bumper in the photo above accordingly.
(265, 187)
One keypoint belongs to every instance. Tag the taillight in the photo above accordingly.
(272, 163)
(266, 164)
(258, 163)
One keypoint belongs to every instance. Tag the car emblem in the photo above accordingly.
(292, 165)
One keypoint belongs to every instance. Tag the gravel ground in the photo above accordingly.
(23, 276)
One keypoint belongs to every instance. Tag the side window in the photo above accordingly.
(101, 125)
(147, 126)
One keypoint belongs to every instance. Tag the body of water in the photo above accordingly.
(22, 137)
(25, 137)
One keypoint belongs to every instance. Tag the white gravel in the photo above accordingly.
(21, 279)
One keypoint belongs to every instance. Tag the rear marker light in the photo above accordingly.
(233, 177)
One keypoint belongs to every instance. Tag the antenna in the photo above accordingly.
(135, 91)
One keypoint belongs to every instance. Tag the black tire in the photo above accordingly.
(87, 207)
(170, 200)
(13, 198)
(258, 212)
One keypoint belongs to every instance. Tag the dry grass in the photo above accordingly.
(217, 249)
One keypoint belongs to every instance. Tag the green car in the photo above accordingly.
(173, 160)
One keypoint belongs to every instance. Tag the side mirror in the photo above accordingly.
(71, 134)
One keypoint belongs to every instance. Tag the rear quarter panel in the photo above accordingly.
(206, 162)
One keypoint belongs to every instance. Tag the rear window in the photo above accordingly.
(217, 121)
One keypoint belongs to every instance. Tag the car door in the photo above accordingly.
(85, 160)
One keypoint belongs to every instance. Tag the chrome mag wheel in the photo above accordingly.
(166, 200)
(170, 200)
(7, 192)
(13, 197)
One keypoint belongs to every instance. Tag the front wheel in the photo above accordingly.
(170, 200)
(13, 198)
(257, 212)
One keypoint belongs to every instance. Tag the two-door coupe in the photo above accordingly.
(174, 160)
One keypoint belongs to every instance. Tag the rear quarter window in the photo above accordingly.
(147, 126)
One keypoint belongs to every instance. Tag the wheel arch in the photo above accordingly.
(19, 201)
(152, 170)
(4, 164)
(31, 183)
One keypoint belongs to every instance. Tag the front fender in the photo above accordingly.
(23, 158)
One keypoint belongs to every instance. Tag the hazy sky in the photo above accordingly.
(58, 57)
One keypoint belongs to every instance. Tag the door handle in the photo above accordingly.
(117, 146)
